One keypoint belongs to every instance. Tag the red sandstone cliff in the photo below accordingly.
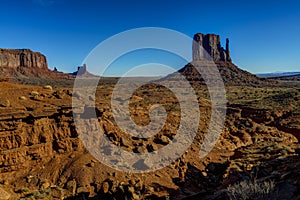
(15, 58)
(24, 63)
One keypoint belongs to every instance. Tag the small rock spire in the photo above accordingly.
(227, 50)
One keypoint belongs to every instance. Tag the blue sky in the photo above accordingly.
(264, 35)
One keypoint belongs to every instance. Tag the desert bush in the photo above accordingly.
(48, 87)
(22, 98)
(34, 93)
(249, 190)
(23, 190)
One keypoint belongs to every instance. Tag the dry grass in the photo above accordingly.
(249, 190)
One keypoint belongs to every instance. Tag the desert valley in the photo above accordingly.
(42, 156)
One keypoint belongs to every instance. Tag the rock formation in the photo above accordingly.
(208, 45)
(18, 64)
(14, 58)
(81, 70)
(26, 66)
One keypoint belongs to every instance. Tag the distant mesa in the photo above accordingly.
(281, 76)
(82, 71)
(293, 77)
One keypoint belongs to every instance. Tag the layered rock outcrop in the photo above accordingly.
(208, 45)
(14, 58)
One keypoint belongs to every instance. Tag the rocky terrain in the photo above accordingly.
(42, 156)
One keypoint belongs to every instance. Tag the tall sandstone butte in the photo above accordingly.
(212, 46)
(207, 47)
(16, 58)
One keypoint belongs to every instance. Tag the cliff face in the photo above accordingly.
(14, 58)
(210, 43)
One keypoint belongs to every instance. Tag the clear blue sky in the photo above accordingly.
(264, 34)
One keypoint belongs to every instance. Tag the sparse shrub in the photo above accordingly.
(22, 98)
(34, 93)
(23, 190)
(249, 190)
(48, 87)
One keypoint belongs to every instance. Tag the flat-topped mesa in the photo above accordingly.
(15, 58)
(211, 44)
